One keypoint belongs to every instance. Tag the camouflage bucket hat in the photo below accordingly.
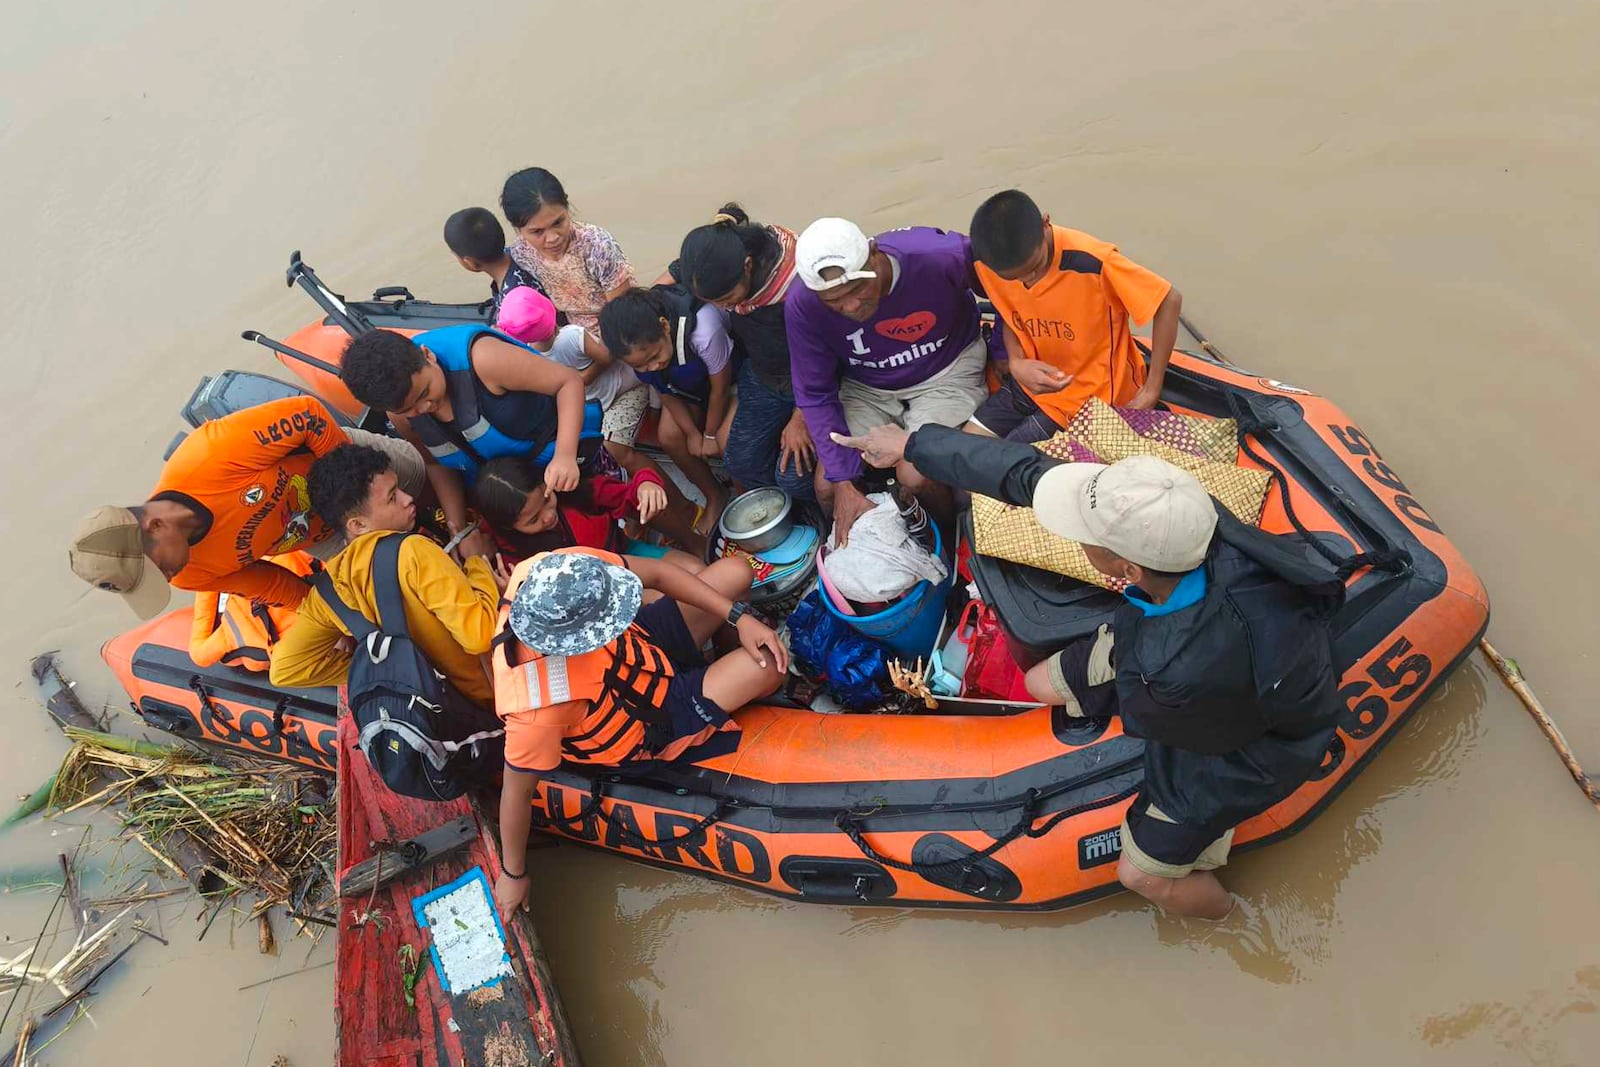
(570, 603)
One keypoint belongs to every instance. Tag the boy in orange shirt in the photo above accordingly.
(1066, 304)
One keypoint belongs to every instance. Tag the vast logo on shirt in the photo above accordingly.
(859, 347)
(253, 495)
(911, 328)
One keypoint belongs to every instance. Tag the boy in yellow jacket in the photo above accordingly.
(451, 612)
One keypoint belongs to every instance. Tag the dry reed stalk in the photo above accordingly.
(1512, 675)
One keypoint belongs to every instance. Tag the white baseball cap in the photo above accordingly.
(1143, 508)
(832, 243)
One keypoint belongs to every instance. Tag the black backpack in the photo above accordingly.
(423, 737)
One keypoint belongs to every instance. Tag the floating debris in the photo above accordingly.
(268, 827)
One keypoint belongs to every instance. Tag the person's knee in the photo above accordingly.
(1040, 685)
(746, 465)
(683, 561)
(798, 484)
(736, 679)
(669, 433)
(731, 577)
(626, 457)
(1152, 887)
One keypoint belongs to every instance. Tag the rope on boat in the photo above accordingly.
(850, 824)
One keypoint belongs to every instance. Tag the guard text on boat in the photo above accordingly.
(721, 849)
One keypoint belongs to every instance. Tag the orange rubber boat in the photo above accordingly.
(978, 804)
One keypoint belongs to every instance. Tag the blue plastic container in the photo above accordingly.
(911, 626)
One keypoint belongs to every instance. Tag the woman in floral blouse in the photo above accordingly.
(580, 265)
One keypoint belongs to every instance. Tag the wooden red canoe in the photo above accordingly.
(516, 1021)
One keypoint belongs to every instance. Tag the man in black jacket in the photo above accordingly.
(1220, 656)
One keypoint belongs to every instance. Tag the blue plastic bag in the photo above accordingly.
(854, 669)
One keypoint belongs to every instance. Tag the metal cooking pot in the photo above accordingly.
(757, 520)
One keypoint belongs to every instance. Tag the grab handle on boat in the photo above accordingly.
(293, 353)
(850, 823)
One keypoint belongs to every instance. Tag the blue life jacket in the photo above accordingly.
(515, 424)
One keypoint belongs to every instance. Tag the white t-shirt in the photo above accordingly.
(567, 350)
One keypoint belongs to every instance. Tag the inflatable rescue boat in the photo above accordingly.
(977, 804)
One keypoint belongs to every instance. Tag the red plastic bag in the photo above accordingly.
(991, 673)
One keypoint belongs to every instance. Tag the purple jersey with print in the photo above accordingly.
(917, 331)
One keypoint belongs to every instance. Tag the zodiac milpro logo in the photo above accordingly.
(1097, 850)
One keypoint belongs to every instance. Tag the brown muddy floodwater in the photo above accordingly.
(1394, 203)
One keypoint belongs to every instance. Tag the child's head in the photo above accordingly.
(387, 371)
(355, 490)
(536, 205)
(476, 237)
(636, 330)
(511, 494)
(528, 315)
(716, 260)
(1011, 237)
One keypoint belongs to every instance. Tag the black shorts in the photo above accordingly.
(688, 709)
(1157, 845)
(1012, 414)
(1069, 670)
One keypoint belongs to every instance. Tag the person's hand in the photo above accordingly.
(1146, 398)
(796, 443)
(652, 501)
(706, 446)
(561, 474)
(502, 573)
(761, 641)
(881, 446)
(510, 894)
(476, 543)
(1039, 377)
(849, 504)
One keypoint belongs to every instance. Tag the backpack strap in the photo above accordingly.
(386, 580)
(359, 625)
(386, 583)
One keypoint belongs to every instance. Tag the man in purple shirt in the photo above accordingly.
(885, 330)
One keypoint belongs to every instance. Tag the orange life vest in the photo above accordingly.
(623, 682)
(239, 632)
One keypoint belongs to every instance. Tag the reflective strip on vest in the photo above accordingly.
(471, 433)
(547, 681)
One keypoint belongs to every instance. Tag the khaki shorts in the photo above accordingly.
(410, 468)
(947, 399)
(1210, 857)
(621, 420)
